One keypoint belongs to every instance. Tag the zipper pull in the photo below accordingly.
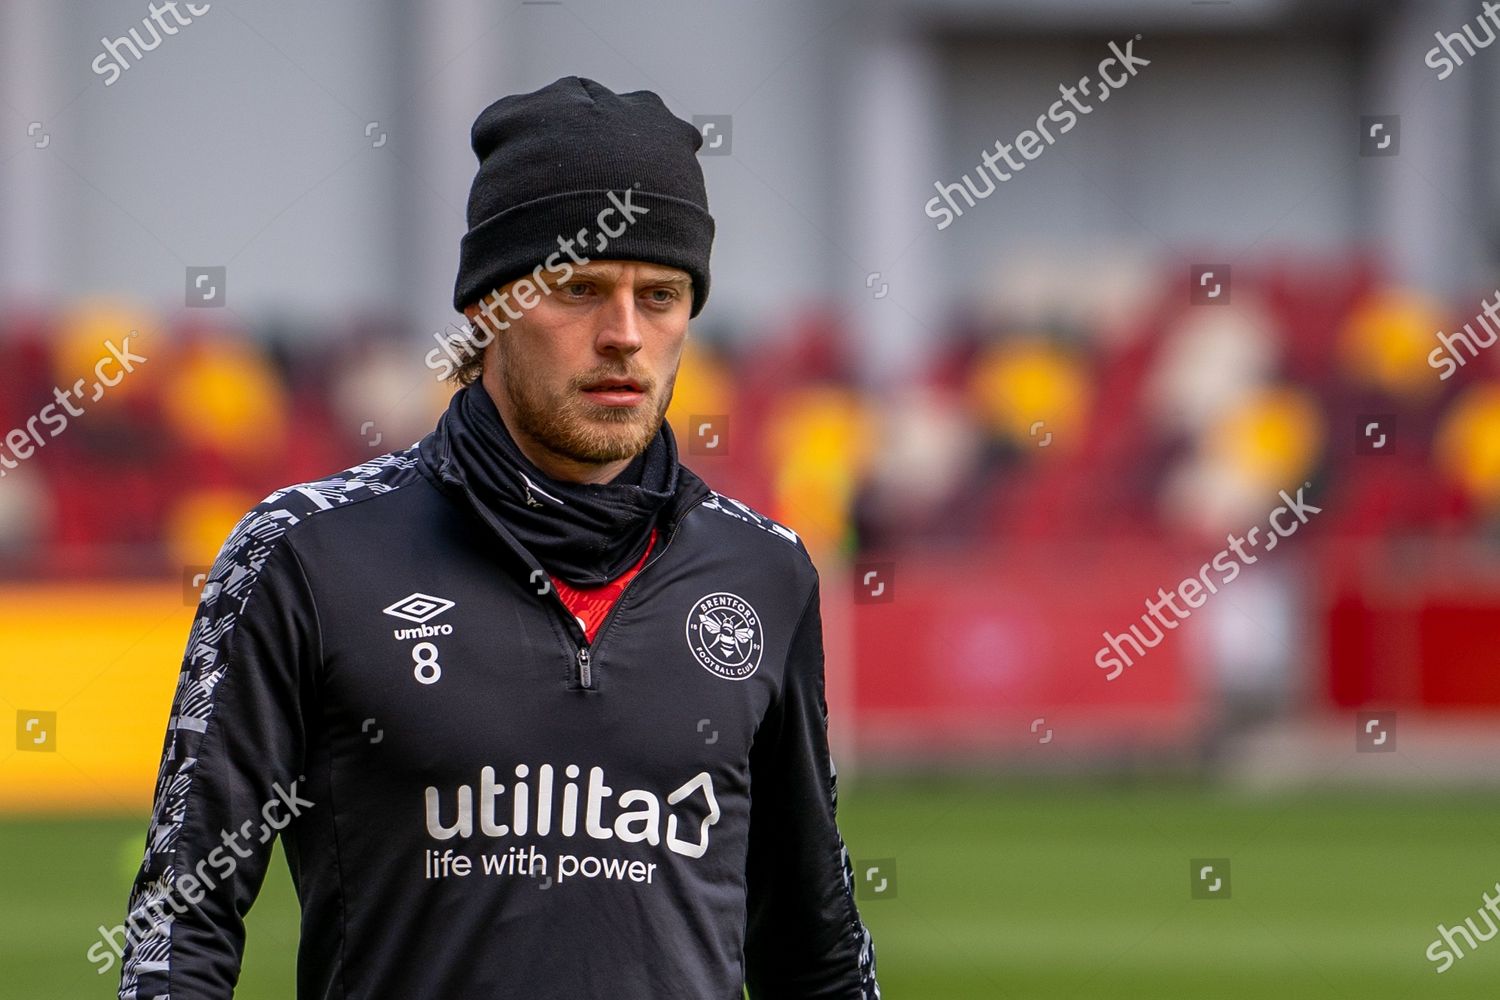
(585, 675)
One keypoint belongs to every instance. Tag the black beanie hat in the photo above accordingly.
(548, 162)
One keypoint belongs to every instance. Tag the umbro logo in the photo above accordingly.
(419, 608)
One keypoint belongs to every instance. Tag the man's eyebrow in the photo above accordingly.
(649, 277)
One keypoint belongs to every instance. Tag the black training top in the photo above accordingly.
(478, 804)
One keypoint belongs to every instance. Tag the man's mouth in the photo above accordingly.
(615, 392)
(614, 383)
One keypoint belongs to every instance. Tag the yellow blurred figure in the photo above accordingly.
(83, 338)
(1468, 443)
(1386, 341)
(703, 388)
(223, 395)
(198, 524)
(1270, 441)
(1030, 392)
(821, 441)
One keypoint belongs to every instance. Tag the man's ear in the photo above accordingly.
(477, 320)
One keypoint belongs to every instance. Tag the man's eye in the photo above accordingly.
(575, 285)
(665, 295)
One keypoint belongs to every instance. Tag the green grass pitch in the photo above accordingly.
(1056, 891)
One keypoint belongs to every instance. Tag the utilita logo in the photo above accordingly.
(639, 818)
(420, 608)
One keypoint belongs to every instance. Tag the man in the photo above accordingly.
(536, 712)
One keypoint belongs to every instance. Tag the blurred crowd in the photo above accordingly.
(1166, 419)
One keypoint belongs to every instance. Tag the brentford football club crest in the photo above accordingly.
(724, 633)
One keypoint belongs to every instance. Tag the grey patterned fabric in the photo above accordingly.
(231, 580)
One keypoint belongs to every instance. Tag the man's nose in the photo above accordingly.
(619, 323)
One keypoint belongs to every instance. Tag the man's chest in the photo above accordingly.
(457, 673)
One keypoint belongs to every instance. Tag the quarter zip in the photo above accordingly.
(620, 600)
(583, 650)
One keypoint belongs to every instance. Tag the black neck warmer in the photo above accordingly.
(585, 533)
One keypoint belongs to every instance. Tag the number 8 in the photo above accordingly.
(427, 670)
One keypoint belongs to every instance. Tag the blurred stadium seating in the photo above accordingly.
(1070, 471)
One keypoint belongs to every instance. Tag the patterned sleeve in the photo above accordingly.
(804, 937)
(230, 774)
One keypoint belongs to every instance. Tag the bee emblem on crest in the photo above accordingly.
(724, 634)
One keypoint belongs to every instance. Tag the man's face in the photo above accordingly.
(583, 377)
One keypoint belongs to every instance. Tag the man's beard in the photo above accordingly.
(570, 426)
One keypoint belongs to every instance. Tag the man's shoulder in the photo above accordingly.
(269, 521)
(736, 511)
(376, 477)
